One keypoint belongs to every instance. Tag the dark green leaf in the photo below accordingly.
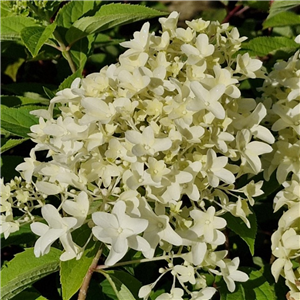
(68, 81)
(80, 50)
(7, 144)
(257, 4)
(280, 6)
(35, 37)
(30, 90)
(214, 14)
(114, 288)
(109, 16)
(49, 93)
(22, 236)
(29, 294)
(11, 101)
(8, 164)
(128, 280)
(24, 269)
(18, 120)
(239, 227)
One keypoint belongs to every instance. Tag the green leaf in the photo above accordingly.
(22, 236)
(49, 93)
(238, 226)
(109, 16)
(72, 11)
(11, 101)
(29, 294)
(32, 90)
(80, 50)
(263, 45)
(72, 272)
(214, 14)
(7, 144)
(285, 18)
(18, 120)
(6, 8)
(34, 37)
(280, 6)
(257, 287)
(115, 288)
(68, 81)
(12, 69)
(24, 269)
(257, 4)
(12, 26)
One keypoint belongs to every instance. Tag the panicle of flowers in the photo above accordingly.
(281, 94)
(147, 152)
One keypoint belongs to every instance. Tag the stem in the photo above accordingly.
(111, 283)
(88, 275)
(232, 13)
(136, 261)
(65, 51)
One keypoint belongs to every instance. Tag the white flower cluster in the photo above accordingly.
(147, 152)
(282, 97)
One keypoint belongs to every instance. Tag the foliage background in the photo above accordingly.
(31, 76)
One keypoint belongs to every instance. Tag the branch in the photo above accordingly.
(87, 278)
(65, 51)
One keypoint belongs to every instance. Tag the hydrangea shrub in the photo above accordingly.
(157, 153)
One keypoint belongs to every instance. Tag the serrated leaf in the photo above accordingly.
(257, 287)
(12, 26)
(263, 45)
(72, 11)
(285, 18)
(238, 226)
(50, 94)
(109, 16)
(68, 81)
(18, 120)
(7, 144)
(80, 50)
(24, 269)
(34, 37)
(114, 288)
(280, 6)
(72, 272)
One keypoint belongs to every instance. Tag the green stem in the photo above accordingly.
(87, 278)
(111, 283)
(136, 261)
(65, 51)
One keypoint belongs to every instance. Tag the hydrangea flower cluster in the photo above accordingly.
(148, 153)
(281, 93)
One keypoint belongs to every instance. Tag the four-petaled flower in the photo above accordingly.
(120, 231)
